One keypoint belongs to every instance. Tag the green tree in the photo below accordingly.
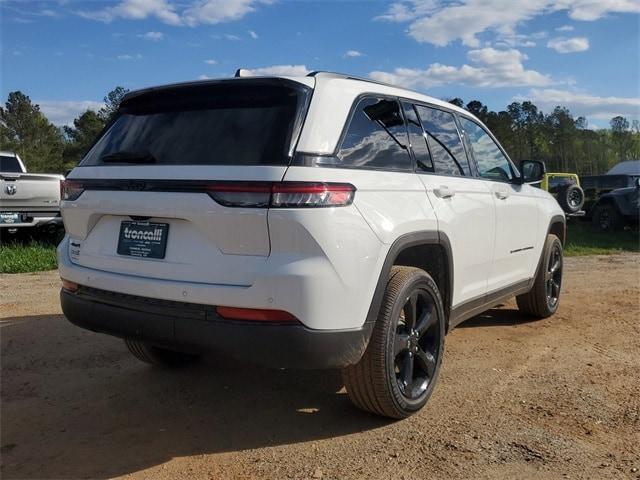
(457, 102)
(25, 130)
(81, 136)
(111, 103)
(622, 138)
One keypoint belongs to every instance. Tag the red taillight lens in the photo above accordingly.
(69, 286)
(282, 194)
(255, 314)
(72, 189)
(303, 194)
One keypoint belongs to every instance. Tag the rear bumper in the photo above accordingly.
(197, 327)
(35, 219)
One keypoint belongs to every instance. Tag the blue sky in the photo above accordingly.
(584, 54)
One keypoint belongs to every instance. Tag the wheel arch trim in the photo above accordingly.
(402, 243)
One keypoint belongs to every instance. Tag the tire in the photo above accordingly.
(375, 384)
(606, 218)
(538, 302)
(571, 198)
(158, 356)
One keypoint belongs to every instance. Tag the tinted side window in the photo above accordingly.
(417, 138)
(376, 137)
(492, 163)
(449, 157)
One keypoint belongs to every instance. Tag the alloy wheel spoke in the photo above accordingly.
(426, 321)
(426, 362)
(407, 371)
(410, 309)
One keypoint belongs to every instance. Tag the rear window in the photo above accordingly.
(233, 122)
(9, 164)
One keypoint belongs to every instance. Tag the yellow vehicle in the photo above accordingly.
(566, 188)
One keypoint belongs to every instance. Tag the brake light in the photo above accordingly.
(282, 194)
(255, 314)
(72, 189)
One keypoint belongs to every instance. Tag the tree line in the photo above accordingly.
(558, 138)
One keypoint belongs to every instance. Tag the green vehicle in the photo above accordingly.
(566, 188)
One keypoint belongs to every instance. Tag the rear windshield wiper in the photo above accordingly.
(124, 156)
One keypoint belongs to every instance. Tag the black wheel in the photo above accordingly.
(397, 373)
(571, 198)
(606, 217)
(543, 299)
(158, 356)
(59, 235)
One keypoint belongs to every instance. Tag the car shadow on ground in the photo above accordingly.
(77, 404)
(498, 317)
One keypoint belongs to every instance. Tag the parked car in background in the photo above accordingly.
(622, 175)
(28, 200)
(565, 187)
(617, 208)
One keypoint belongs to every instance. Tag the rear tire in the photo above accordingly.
(158, 356)
(606, 218)
(399, 369)
(571, 198)
(543, 299)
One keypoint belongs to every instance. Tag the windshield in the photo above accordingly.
(9, 164)
(220, 123)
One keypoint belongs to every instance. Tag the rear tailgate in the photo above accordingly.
(145, 206)
(23, 192)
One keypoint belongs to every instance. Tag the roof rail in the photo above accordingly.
(325, 74)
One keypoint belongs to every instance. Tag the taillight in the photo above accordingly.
(302, 194)
(255, 314)
(282, 194)
(241, 194)
(72, 189)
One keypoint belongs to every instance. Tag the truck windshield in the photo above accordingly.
(9, 164)
(229, 122)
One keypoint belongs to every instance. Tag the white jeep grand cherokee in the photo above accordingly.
(315, 222)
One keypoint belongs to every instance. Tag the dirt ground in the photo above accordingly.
(558, 398)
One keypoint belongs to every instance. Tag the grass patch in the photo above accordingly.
(31, 257)
(583, 239)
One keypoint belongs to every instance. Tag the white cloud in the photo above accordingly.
(228, 36)
(565, 28)
(128, 56)
(493, 68)
(441, 24)
(204, 77)
(152, 36)
(190, 13)
(136, 10)
(210, 61)
(253, 34)
(569, 45)
(63, 112)
(583, 104)
(352, 54)
(277, 70)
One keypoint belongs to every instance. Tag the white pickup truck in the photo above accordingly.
(28, 200)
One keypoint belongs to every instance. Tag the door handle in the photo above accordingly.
(444, 191)
(502, 194)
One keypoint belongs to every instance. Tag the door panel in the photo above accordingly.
(517, 246)
(466, 214)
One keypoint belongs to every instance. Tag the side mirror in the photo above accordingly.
(637, 182)
(532, 171)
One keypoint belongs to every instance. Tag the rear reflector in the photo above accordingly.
(255, 314)
(69, 286)
(282, 194)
